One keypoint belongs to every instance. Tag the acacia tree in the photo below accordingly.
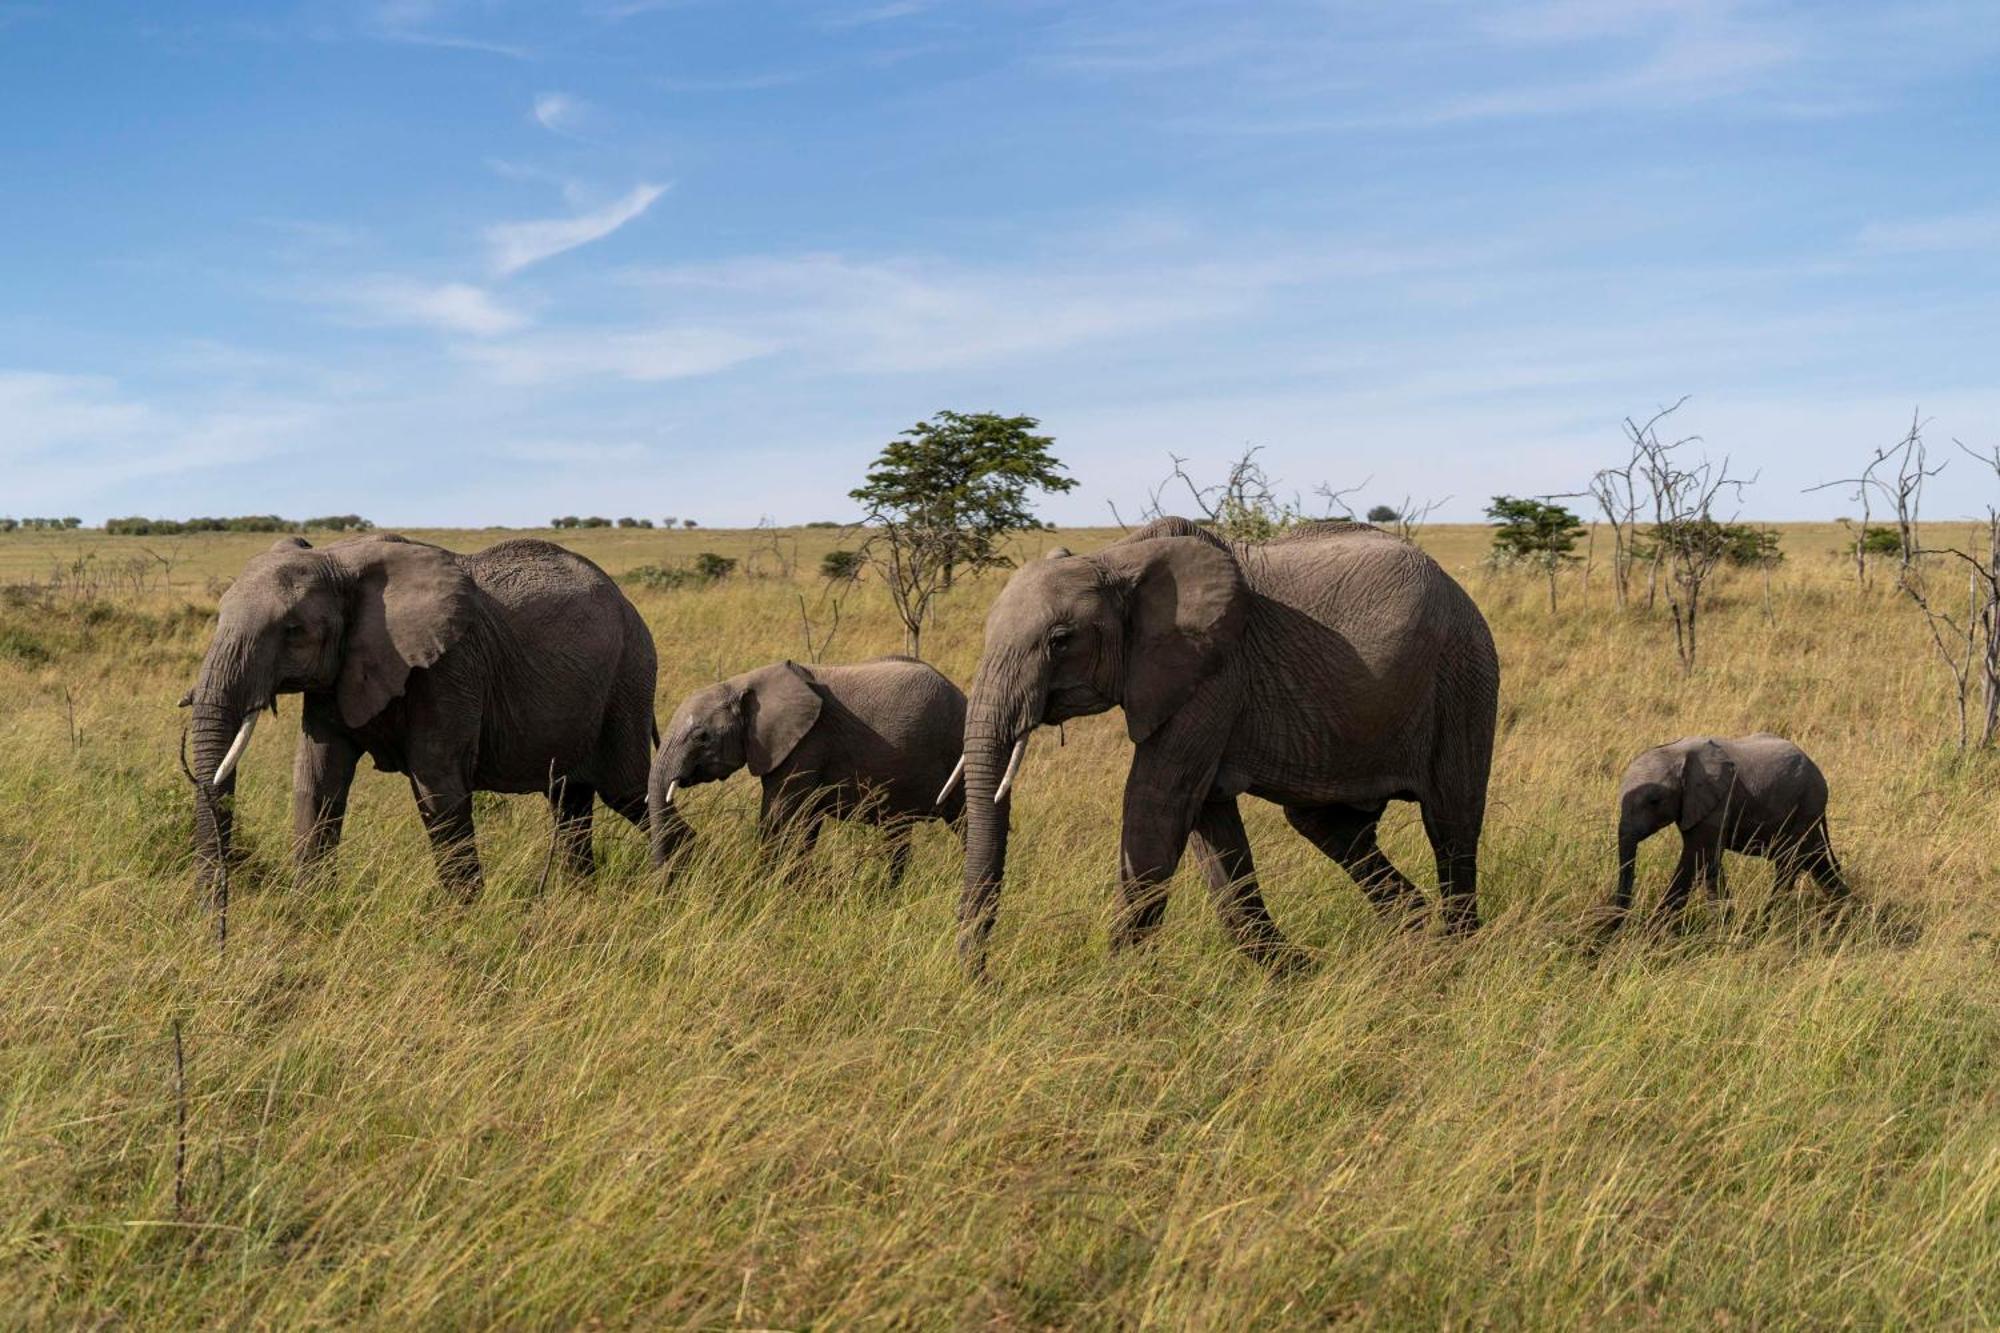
(943, 497)
(1534, 532)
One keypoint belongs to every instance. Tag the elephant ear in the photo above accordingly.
(780, 706)
(1185, 611)
(1708, 779)
(409, 604)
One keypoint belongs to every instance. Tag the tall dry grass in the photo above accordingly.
(777, 1104)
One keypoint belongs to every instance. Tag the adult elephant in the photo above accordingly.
(1331, 671)
(521, 668)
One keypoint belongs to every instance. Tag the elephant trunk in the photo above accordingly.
(232, 689)
(1003, 709)
(1630, 835)
(667, 829)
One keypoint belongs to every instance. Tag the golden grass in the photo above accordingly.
(753, 1103)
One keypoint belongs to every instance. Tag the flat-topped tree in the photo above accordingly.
(1535, 532)
(944, 496)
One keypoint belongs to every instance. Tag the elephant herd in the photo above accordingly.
(1331, 671)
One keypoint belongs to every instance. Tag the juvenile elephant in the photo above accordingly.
(520, 668)
(876, 741)
(1331, 671)
(1759, 795)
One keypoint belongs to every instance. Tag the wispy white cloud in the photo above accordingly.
(1955, 231)
(513, 246)
(567, 453)
(619, 10)
(449, 307)
(739, 83)
(412, 23)
(882, 13)
(916, 316)
(560, 113)
(66, 439)
(645, 356)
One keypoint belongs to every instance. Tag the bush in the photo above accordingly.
(23, 647)
(1739, 544)
(1383, 514)
(689, 523)
(1746, 544)
(635, 522)
(841, 566)
(339, 523)
(658, 579)
(825, 523)
(1879, 540)
(709, 566)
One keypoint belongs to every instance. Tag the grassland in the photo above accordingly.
(759, 1104)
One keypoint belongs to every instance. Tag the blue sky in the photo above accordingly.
(458, 261)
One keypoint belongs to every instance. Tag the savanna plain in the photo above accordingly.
(756, 1101)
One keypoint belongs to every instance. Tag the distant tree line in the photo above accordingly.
(136, 526)
(40, 524)
(598, 521)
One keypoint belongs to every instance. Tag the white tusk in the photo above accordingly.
(1013, 767)
(944, 793)
(236, 748)
(668, 799)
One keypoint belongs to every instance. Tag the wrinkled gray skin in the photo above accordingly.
(1758, 795)
(521, 668)
(1330, 671)
(872, 741)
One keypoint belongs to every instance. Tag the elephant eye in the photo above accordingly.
(1060, 635)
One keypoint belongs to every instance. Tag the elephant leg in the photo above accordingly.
(1455, 845)
(1693, 866)
(322, 774)
(570, 803)
(629, 804)
(899, 834)
(1151, 842)
(787, 828)
(1787, 864)
(1823, 866)
(1346, 834)
(445, 806)
(1223, 850)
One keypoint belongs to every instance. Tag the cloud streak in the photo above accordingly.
(513, 246)
(640, 356)
(448, 307)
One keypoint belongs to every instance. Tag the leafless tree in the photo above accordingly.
(167, 561)
(1894, 476)
(778, 545)
(1245, 505)
(1616, 492)
(832, 595)
(1687, 539)
(1411, 516)
(1966, 643)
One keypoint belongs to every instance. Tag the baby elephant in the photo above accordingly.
(876, 741)
(1758, 795)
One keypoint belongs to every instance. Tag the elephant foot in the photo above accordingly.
(1284, 961)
